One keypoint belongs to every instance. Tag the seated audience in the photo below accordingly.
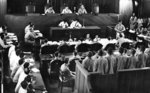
(66, 10)
(101, 64)
(50, 10)
(19, 71)
(3, 29)
(82, 10)
(75, 24)
(14, 70)
(88, 62)
(2, 41)
(23, 75)
(119, 28)
(23, 87)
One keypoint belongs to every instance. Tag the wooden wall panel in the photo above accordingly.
(3, 8)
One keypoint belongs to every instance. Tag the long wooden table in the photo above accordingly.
(58, 33)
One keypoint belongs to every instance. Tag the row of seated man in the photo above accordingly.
(25, 71)
(66, 10)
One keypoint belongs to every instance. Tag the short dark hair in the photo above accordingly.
(90, 54)
(24, 84)
(142, 48)
(75, 53)
(28, 78)
(133, 51)
(27, 71)
(121, 50)
(21, 61)
(26, 65)
(101, 52)
(110, 51)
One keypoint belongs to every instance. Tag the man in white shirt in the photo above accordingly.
(75, 24)
(66, 10)
(82, 10)
(22, 76)
(49, 10)
(19, 71)
(63, 24)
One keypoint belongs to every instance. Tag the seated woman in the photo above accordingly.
(50, 10)
(66, 10)
(82, 10)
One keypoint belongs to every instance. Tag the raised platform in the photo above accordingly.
(17, 23)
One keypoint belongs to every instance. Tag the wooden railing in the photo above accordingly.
(125, 81)
(82, 84)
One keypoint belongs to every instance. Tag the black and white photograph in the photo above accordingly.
(74, 46)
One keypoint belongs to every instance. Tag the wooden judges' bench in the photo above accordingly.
(127, 81)
(58, 33)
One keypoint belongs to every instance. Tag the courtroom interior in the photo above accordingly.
(74, 46)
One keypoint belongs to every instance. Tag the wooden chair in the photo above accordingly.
(64, 81)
